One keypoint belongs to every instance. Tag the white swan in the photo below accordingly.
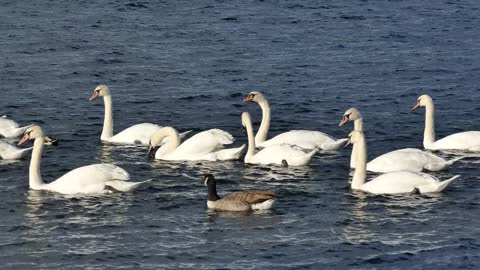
(281, 154)
(96, 178)
(353, 114)
(465, 141)
(9, 151)
(306, 139)
(137, 134)
(393, 182)
(206, 145)
(407, 159)
(10, 129)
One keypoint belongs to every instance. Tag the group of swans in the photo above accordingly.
(292, 148)
(10, 129)
(403, 167)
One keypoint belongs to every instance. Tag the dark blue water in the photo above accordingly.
(189, 64)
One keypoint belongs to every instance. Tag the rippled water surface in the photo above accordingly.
(189, 64)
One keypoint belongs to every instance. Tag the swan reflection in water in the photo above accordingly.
(49, 209)
(368, 212)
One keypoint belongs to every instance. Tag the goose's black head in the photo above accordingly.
(208, 179)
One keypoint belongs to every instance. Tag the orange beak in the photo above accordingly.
(94, 96)
(248, 98)
(416, 105)
(345, 119)
(25, 138)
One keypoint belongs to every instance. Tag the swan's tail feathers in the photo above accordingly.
(453, 160)
(185, 133)
(303, 160)
(334, 145)
(23, 129)
(17, 154)
(123, 186)
(442, 185)
(223, 137)
(231, 153)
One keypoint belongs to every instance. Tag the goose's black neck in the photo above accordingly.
(212, 191)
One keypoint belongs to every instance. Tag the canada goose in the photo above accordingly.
(237, 201)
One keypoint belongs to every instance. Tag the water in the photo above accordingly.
(189, 64)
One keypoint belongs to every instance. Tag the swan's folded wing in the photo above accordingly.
(7, 123)
(137, 134)
(205, 142)
(307, 139)
(93, 174)
(463, 140)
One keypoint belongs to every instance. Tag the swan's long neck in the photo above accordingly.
(358, 124)
(361, 165)
(251, 141)
(107, 131)
(265, 125)
(173, 140)
(429, 133)
(35, 179)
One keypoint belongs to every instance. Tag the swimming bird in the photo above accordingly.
(393, 182)
(238, 201)
(206, 145)
(406, 159)
(280, 154)
(464, 141)
(306, 139)
(136, 134)
(96, 178)
(11, 152)
(10, 129)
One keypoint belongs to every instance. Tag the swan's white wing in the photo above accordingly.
(463, 141)
(137, 134)
(8, 151)
(402, 182)
(7, 123)
(408, 159)
(275, 154)
(88, 179)
(205, 142)
(306, 139)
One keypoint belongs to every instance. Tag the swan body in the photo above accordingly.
(137, 134)
(238, 201)
(464, 141)
(8, 151)
(275, 154)
(306, 139)
(91, 179)
(207, 145)
(393, 182)
(10, 129)
(408, 159)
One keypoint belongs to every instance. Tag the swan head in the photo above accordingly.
(354, 137)
(351, 114)
(208, 179)
(246, 120)
(100, 91)
(31, 133)
(422, 101)
(256, 96)
(157, 137)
